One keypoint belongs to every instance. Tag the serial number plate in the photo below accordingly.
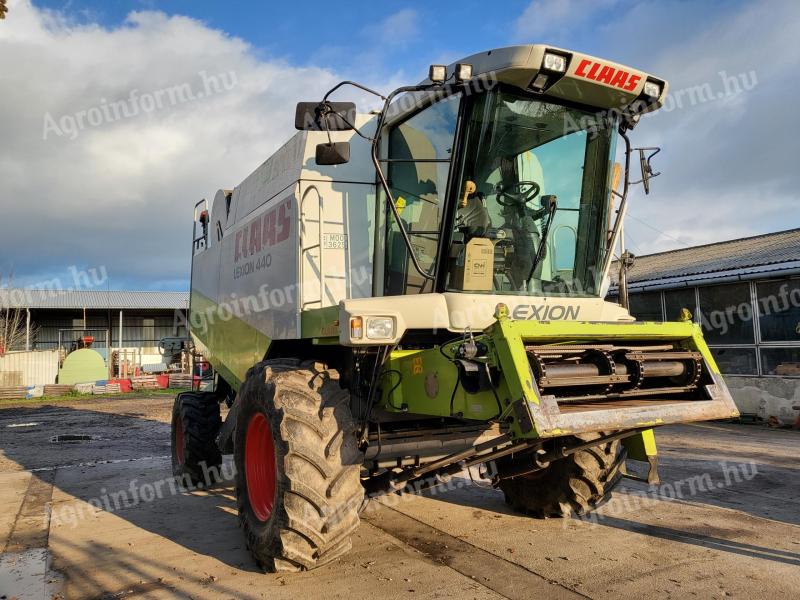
(334, 241)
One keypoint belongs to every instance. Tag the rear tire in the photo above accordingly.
(575, 484)
(298, 484)
(195, 424)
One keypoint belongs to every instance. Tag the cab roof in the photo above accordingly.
(587, 79)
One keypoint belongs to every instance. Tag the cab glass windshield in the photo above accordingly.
(534, 187)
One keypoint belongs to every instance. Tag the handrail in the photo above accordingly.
(304, 249)
(621, 209)
(191, 263)
(195, 237)
(390, 202)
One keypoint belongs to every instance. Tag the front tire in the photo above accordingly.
(298, 485)
(575, 484)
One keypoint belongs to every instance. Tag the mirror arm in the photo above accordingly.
(342, 117)
(354, 84)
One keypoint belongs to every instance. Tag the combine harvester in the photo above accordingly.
(394, 297)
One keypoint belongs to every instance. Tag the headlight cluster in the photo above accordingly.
(376, 328)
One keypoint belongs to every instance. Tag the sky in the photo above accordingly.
(116, 192)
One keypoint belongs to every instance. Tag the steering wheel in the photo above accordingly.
(525, 192)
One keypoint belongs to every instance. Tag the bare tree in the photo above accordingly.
(13, 330)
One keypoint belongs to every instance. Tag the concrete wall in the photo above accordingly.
(767, 396)
(28, 368)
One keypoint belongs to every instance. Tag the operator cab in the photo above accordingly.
(497, 175)
(509, 191)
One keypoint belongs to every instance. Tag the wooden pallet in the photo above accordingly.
(15, 392)
(109, 388)
(145, 382)
(56, 389)
(180, 380)
(791, 369)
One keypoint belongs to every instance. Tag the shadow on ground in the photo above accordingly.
(126, 452)
(130, 449)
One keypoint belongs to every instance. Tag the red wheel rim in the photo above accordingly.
(179, 441)
(259, 466)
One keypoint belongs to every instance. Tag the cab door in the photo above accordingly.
(417, 162)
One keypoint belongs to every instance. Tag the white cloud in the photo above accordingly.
(396, 30)
(548, 20)
(121, 193)
(728, 162)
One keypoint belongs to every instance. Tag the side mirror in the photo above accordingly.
(336, 153)
(646, 167)
(325, 116)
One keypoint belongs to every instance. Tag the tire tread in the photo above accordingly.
(316, 513)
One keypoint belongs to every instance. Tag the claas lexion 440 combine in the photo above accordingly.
(396, 296)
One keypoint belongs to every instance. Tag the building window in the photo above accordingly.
(779, 310)
(727, 314)
(780, 361)
(736, 361)
(729, 318)
(676, 300)
(646, 306)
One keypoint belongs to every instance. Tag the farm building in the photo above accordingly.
(746, 294)
(131, 322)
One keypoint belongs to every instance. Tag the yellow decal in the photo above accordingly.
(416, 365)
(329, 330)
(400, 204)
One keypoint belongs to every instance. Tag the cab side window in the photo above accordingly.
(419, 156)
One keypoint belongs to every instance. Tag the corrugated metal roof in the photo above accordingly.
(759, 253)
(80, 299)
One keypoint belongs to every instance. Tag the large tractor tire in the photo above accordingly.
(575, 484)
(195, 425)
(298, 466)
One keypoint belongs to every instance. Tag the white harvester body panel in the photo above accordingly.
(271, 254)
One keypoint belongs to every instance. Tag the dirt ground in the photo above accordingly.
(98, 519)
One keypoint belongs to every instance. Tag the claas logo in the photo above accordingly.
(619, 78)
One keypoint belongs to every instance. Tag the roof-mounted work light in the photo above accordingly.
(554, 62)
(463, 72)
(437, 73)
(652, 89)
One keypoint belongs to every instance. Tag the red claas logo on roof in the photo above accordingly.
(589, 69)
